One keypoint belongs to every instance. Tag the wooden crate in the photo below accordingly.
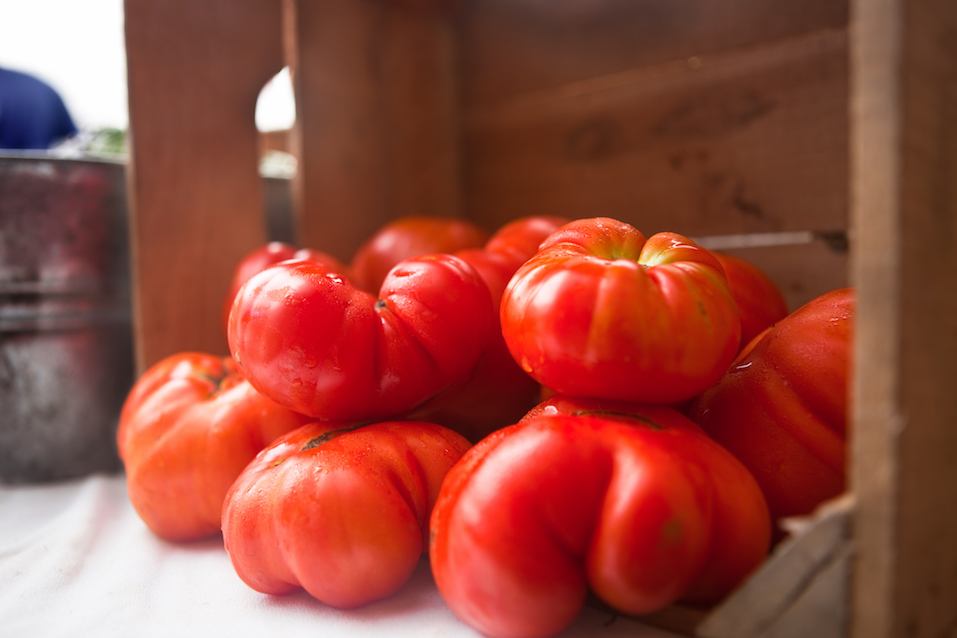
(776, 129)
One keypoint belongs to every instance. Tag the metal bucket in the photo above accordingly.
(65, 332)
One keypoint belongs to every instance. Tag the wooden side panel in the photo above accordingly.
(905, 212)
(195, 71)
(377, 132)
(747, 140)
(515, 46)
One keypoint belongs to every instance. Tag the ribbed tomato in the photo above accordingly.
(602, 312)
(317, 345)
(188, 428)
(537, 513)
(782, 407)
(741, 526)
(341, 512)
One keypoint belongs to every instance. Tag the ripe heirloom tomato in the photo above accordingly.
(409, 237)
(188, 428)
(602, 312)
(518, 241)
(267, 255)
(341, 512)
(741, 526)
(760, 303)
(498, 392)
(537, 513)
(312, 342)
(782, 407)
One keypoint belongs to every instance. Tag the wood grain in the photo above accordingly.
(753, 139)
(904, 181)
(515, 46)
(195, 70)
(377, 133)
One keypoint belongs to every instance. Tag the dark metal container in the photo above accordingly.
(65, 332)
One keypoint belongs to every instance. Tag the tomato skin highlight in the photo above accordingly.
(409, 237)
(760, 302)
(316, 344)
(188, 428)
(602, 312)
(272, 253)
(341, 511)
(782, 407)
(572, 498)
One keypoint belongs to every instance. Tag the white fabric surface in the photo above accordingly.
(75, 560)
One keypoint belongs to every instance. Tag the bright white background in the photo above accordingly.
(77, 47)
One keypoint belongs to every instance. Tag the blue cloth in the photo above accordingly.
(32, 114)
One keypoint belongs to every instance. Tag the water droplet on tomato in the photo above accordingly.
(526, 365)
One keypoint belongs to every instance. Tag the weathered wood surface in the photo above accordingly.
(750, 139)
(377, 132)
(195, 71)
(904, 194)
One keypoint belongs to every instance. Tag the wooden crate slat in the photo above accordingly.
(748, 140)
(377, 134)
(904, 182)
(195, 72)
(514, 46)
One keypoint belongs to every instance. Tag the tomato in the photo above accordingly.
(189, 426)
(410, 237)
(782, 407)
(537, 513)
(314, 343)
(341, 512)
(741, 526)
(518, 241)
(760, 303)
(267, 255)
(602, 312)
(498, 392)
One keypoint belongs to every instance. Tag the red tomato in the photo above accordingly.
(188, 428)
(537, 513)
(410, 237)
(518, 241)
(498, 392)
(602, 312)
(760, 303)
(317, 345)
(782, 407)
(267, 255)
(741, 526)
(342, 513)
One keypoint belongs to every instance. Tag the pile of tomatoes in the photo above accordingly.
(688, 413)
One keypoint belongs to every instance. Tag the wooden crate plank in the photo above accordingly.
(799, 591)
(195, 71)
(377, 132)
(745, 141)
(514, 46)
(904, 181)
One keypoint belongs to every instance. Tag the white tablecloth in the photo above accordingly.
(75, 560)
